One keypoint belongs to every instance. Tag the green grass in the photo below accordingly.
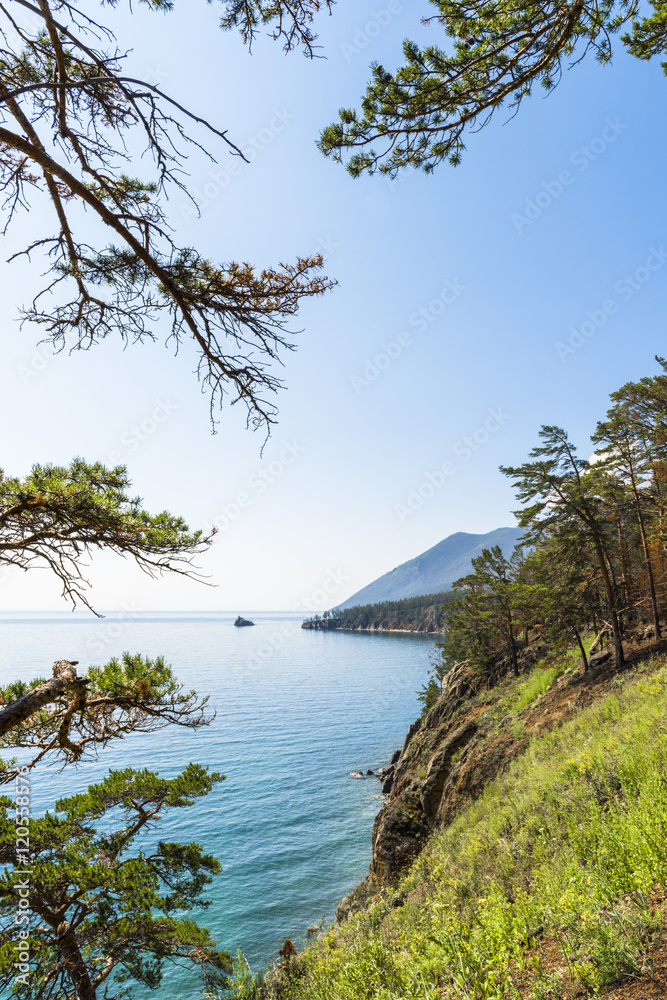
(568, 843)
(529, 690)
(538, 683)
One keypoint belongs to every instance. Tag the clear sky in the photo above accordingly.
(455, 291)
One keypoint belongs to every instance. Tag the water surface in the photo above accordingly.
(296, 711)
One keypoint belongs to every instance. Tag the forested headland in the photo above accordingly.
(594, 555)
(427, 613)
(520, 851)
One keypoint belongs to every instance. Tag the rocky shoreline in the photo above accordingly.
(450, 756)
(328, 625)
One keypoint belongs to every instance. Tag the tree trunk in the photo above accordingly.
(581, 647)
(647, 560)
(598, 638)
(18, 711)
(513, 657)
(611, 603)
(77, 969)
(625, 571)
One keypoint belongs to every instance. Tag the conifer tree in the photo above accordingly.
(68, 719)
(109, 903)
(57, 516)
(626, 462)
(564, 592)
(560, 495)
(491, 58)
(70, 112)
(489, 607)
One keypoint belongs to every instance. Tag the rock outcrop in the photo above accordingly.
(421, 776)
(446, 760)
(467, 739)
(241, 622)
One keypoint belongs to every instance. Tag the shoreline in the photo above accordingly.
(404, 631)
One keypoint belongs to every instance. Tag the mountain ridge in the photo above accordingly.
(435, 569)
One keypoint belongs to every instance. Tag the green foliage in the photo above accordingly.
(647, 38)
(133, 693)
(105, 914)
(109, 909)
(495, 57)
(535, 685)
(138, 678)
(492, 599)
(58, 515)
(410, 611)
(428, 695)
(566, 845)
(597, 540)
(244, 983)
(290, 22)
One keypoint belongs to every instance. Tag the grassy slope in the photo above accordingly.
(547, 885)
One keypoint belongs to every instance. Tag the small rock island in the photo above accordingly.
(240, 622)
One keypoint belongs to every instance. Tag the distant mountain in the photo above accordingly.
(436, 569)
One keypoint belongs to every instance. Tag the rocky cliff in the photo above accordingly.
(427, 776)
(465, 741)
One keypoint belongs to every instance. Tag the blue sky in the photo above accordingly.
(435, 359)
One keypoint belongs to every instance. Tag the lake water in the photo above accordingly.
(296, 711)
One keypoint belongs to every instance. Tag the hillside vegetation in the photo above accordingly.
(550, 885)
(521, 853)
(598, 543)
(426, 613)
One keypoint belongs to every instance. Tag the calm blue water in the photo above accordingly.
(296, 712)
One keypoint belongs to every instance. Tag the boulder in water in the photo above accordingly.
(240, 622)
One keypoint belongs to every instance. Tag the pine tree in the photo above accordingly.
(561, 495)
(108, 910)
(70, 113)
(67, 719)
(492, 58)
(57, 516)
